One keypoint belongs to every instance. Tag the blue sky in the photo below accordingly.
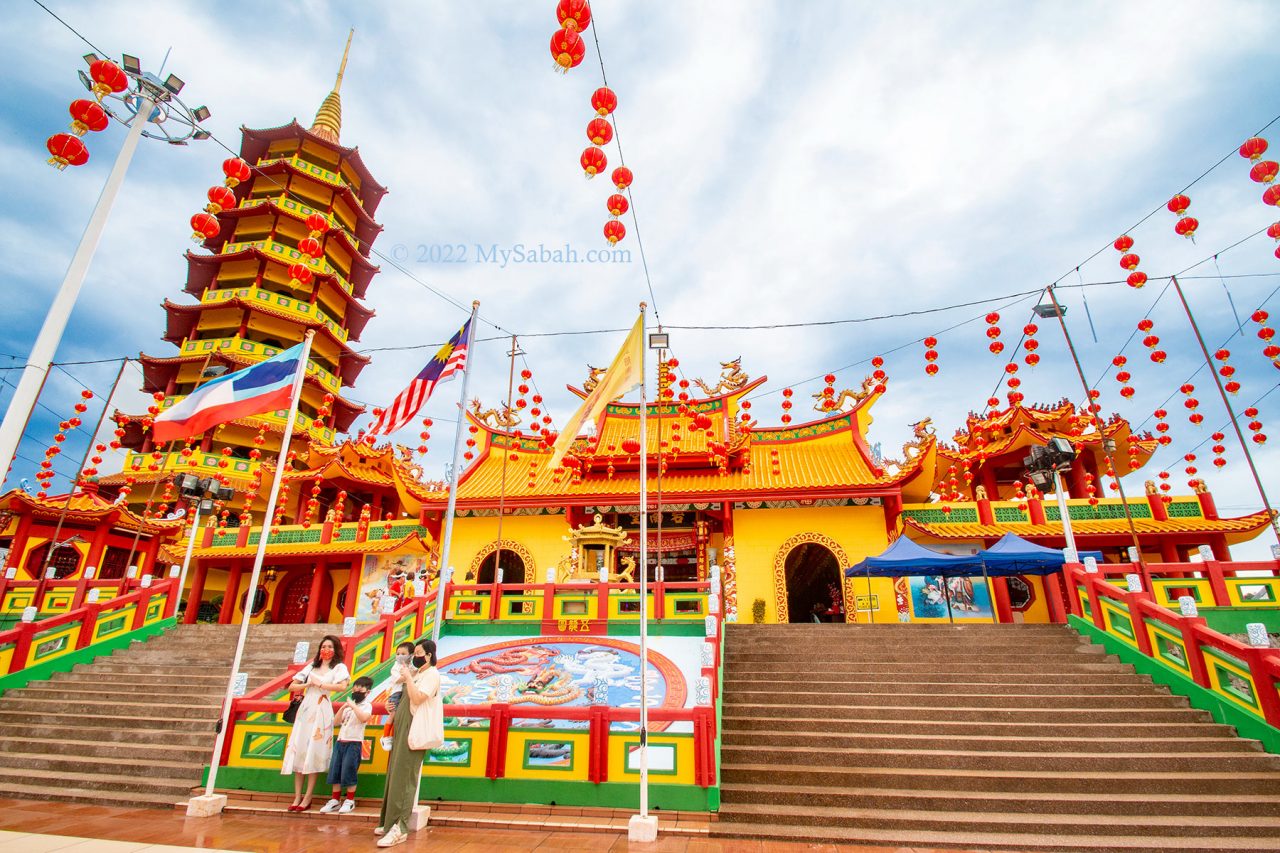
(794, 163)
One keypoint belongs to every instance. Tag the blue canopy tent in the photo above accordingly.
(905, 557)
(1013, 555)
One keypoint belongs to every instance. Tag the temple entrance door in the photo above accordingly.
(512, 567)
(812, 575)
(293, 606)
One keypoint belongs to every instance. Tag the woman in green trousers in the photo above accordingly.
(404, 766)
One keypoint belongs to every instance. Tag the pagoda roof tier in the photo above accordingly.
(86, 507)
(366, 229)
(1019, 427)
(202, 270)
(350, 363)
(1099, 531)
(356, 317)
(181, 320)
(362, 270)
(156, 372)
(385, 466)
(825, 458)
(255, 142)
(375, 544)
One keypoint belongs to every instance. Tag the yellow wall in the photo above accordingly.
(759, 534)
(539, 534)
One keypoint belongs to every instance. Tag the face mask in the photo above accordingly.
(420, 661)
(403, 657)
(326, 654)
(358, 696)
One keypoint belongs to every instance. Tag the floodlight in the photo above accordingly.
(200, 113)
(174, 83)
(132, 65)
(90, 58)
(659, 340)
(1050, 310)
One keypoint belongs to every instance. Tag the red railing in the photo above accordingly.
(1263, 663)
(1215, 571)
(495, 592)
(87, 616)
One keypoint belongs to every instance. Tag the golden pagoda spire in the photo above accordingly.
(328, 123)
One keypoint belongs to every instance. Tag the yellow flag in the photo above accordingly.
(624, 375)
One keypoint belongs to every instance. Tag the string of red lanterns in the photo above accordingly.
(1227, 372)
(45, 473)
(1219, 449)
(1263, 172)
(1162, 427)
(1266, 334)
(1186, 225)
(1123, 376)
(930, 355)
(68, 149)
(1031, 344)
(993, 333)
(1152, 341)
(1255, 425)
(1129, 261)
(1191, 403)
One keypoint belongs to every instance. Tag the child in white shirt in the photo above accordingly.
(348, 746)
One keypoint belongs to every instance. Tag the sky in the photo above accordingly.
(795, 164)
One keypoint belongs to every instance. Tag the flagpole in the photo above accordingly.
(641, 827)
(206, 807)
(453, 481)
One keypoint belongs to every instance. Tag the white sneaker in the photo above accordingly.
(386, 743)
(378, 831)
(393, 837)
(347, 807)
(330, 807)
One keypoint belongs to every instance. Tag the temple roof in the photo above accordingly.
(255, 142)
(362, 269)
(375, 544)
(86, 507)
(182, 318)
(203, 269)
(385, 466)
(156, 371)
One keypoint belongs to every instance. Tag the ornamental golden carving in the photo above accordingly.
(525, 555)
(505, 419)
(732, 378)
(780, 572)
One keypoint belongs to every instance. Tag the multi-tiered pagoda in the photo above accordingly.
(252, 303)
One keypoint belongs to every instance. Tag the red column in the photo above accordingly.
(1219, 545)
(892, 510)
(313, 599)
(1168, 552)
(1053, 597)
(1208, 506)
(1035, 511)
(153, 548)
(228, 612)
(1158, 511)
(197, 592)
(353, 589)
(1000, 587)
(99, 543)
(984, 512)
(19, 544)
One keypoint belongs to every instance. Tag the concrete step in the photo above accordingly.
(1040, 824)
(108, 767)
(1066, 714)
(147, 709)
(1114, 804)
(140, 718)
(942, 725)
(11, 744)
(123, 731)
(841, 687)
(1045, 780)
(1013, 668)
(981, 699)
(965, 679)
(118, 690)
(114, 788)
(64, 790)
(92, 675)
(984, 742)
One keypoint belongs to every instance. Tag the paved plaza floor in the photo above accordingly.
(47, 827)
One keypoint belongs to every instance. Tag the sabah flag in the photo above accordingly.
(265, 387)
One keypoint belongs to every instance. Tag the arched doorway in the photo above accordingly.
(293, 594)
(512, 567)
(811, 573)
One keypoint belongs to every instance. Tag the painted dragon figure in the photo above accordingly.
(505, 419)
(732, 378)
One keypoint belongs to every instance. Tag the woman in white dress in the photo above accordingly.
(311, 739)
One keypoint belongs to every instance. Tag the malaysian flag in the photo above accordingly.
(450, 360)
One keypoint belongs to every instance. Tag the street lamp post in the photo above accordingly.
(1045, 465)
(148, 107)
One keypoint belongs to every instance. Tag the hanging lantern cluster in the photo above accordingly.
(1129, 261)
(1014, 396)
(1255, 425)
(424, 436)
(930, 355)
(1135, 458)
(300, 273)
(1165, 487)
(255, 476)
(1123, 376)
(91, 470)
(281, 502)
(312, 505)
(1227, 372)
(1191, 470)
(323, 412)
(878, 374)
(204, 225)
(87, 116)
(1219, 449)
(1090, 488)
(786, 406)
(1263, 172)
(996, 346)
(470, 452)
(827, 402)
(567, 46)
(45, 473)
(1186, 225)
(617, 203)
(1031, 344)
(1162, 427)
(1191, 403)
(1266, 334)
(1152, 341)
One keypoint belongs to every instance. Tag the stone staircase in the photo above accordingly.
(135, 727)
(991, 737)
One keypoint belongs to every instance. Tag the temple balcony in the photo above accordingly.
(255, 351)
(276, 302)
(285, 202)
(290, 255)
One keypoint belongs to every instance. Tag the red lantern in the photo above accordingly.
(317, 224)
(622, 177)
(931, 369)
(630, 446)
(309, 247)
(1265, 171)
(1272, 195)
(1186, 227)
(1146, 324)
(614, 231)
(236, 170)
(87, 116)
(1178, 204)
(107, 78)
(702, 421)
(574, 15)
(616, 204)
(1253, 148)
(204, 227)
(604, 101)
(599, 131)
(996, 347)
(1137, 279)
(1130, 261)
(66, 150)
(299, 275)
(1123, 243)
(1032, 359)
(567, 49)
(220, 199)
(593, 161)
